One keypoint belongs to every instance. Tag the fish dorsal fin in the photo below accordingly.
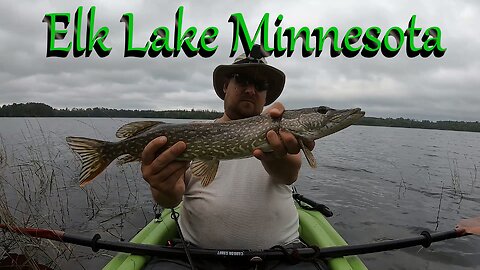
(134, 128)
(308, 154)
(205, 170)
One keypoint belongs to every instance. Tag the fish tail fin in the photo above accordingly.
(93, 155)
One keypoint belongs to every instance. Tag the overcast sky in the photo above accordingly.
(445, 88)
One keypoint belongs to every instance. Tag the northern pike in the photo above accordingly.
(208, 143)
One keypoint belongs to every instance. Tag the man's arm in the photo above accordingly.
(165, 175)
(284, 162)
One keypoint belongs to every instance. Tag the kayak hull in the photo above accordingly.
(314, 230)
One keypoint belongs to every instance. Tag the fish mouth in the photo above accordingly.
(323, 121)
(357, 113)
(341, 119)
(344, 114)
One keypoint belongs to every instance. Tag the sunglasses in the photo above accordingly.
(245, 80)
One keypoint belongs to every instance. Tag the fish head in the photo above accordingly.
(318, 122)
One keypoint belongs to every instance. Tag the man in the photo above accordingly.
(249, 205)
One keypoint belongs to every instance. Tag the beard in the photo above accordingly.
(243, 109)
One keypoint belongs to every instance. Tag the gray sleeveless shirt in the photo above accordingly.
(243, 208)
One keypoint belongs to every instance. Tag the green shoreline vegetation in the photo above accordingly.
(32, 109)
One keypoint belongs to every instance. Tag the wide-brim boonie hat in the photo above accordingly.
(253, 64)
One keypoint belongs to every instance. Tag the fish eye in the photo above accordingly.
(323, 109)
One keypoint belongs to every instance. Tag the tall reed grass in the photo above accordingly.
(38, 188)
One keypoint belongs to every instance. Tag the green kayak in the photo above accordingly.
(314, 230)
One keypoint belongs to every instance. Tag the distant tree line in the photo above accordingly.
(424, 124)
(42, 110)
(27, 110)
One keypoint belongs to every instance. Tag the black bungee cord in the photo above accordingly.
(174, 215)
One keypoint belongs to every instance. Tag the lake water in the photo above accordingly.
(381, 183)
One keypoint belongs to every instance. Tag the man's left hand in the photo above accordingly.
(282, 143)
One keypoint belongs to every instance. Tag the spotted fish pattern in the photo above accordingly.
(208, 143)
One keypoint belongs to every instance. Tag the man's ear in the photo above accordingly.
(225, 85)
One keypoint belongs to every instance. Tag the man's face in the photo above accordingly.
(244, 95)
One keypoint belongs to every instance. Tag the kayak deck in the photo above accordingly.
(314, 230)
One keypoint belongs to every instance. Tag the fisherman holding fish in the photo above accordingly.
(233, 175)
(248, 203)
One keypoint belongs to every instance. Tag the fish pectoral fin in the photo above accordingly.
(127, 159)
(266, 148)
(308, 154)
(205, 170)
(134, 128)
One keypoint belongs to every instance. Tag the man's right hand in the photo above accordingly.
(165, 175)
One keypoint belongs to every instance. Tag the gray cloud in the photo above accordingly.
(423, 88)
